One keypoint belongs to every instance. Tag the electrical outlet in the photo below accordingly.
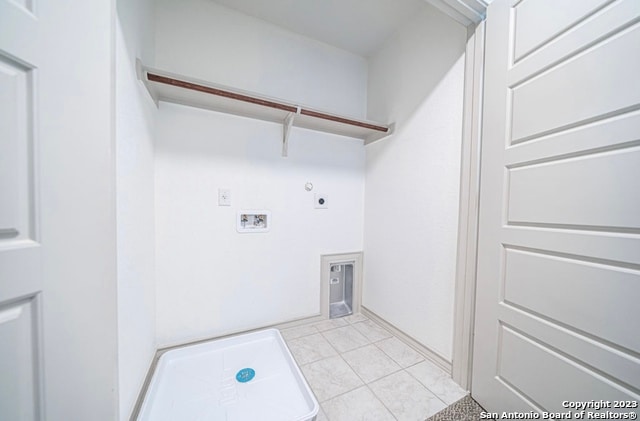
(321, 201)
(224, 197)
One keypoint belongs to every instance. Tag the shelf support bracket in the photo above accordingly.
(288, 122)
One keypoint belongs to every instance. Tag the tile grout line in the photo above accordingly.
(367, 385)
(380, 400)
(364, 383)
(370, 342)
(425, 386)
(437, 395)
(413, 377)
(338, 354)
(354, 370)
(327, 339)
(393, 359)
(301, 336)
(409, 366)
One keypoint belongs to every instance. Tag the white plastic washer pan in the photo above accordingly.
(198, 382)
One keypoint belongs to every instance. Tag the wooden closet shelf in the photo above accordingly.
(165, 86)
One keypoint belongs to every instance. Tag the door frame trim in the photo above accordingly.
(465, 282)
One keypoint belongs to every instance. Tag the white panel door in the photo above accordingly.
(20, 250)
(558, 292)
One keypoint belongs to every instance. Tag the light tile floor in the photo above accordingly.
(361, 372)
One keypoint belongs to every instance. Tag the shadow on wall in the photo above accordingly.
(203, 135)
(135, 131)
(416, 80)
(411, 64)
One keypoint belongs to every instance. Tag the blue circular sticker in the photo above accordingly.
(245, 375)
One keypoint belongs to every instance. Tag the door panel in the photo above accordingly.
(16, 152)
(19, 344)
(565, 378)
(20, 251)
(559, 232)
(580, 88)
(607, 357)
(605, 22)
(539, 21)
(601, 135)
(591, 190)
(578, 288)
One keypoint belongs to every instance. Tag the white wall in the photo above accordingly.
(412, 179)
(213, 280)
(205, 40)
(135, 128)
(75, 137)
(210, 279)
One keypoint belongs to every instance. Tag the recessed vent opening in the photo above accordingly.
(341, 290)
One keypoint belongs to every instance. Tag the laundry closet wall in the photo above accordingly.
(212, 280)
(413, 177)
(135, 130)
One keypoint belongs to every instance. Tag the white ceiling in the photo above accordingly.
(359, 26)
